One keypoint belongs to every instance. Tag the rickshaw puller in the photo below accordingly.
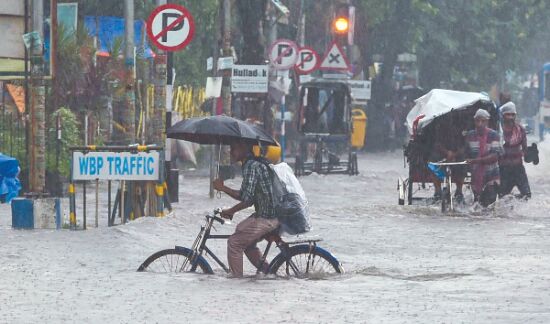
(512, 171)
(483, 148)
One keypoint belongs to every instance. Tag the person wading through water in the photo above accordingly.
(512, 171)
(483, 149)
(256, 189)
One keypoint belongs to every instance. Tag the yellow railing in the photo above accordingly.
(187, 101)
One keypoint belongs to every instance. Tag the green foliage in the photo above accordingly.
(58, 151)
(463, 44)
(190, 63)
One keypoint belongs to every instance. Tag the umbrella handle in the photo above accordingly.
(218, 193)
(218, 162)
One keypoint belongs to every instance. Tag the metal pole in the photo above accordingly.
(58, 146)
(283, 139)
(96, 203)
(122, 207)
(109, 221)
(214, 103)
(27, 98)
(129, 115)
(86, 130)
(37, 161)
(83, 204)
(226, 90)
(72, 199)
(302, 25)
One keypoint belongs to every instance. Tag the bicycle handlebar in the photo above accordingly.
(445, 163)
(217, 211)
(448, 163)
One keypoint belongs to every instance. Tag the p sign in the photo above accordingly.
(283, 54)
(308, 60)
(170, 27)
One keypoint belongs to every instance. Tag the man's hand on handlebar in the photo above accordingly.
(227, 214)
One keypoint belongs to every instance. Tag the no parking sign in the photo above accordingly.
(308, 60)
(283, 54)
(170, 27)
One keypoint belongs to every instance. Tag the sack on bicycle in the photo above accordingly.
(290, 200)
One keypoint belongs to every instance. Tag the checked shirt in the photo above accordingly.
(257, 188)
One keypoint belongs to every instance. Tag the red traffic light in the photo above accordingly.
(341, 25)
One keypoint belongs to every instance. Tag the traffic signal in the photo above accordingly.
(342, 24)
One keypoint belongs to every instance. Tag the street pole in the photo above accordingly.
(226, 82)
(302, 25)
(37, 165)
(226, 88)
(160, 118)
(157, 128)
(213, 148)
(128, 116)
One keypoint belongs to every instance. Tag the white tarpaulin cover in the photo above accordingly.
(439, 102)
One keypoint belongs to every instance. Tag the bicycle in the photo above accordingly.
(300, 258)
(447, 201)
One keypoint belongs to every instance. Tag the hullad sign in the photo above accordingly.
(249, 78)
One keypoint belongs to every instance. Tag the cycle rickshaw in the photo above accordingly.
(325, 123)
(438, 115)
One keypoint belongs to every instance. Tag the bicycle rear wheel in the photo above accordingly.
(304, 261)
(175, 260)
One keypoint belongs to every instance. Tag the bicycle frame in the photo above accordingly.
(199, 245)
(447, 181)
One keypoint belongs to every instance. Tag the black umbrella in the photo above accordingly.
(219, 130)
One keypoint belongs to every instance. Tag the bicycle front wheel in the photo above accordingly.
(175, 260)
(445, 199)
(302, 261)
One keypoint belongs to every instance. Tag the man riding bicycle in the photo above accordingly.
(256, 189)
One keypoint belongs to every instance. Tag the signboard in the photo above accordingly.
(249, 78)
(116, 166)
(209, 63)
(170, 27)
(225, 63)
(308, 60)
(213, 87)
(67, 15)
(360, 89)
(32, 41)
(12, 51)
(335, 59)
(283, 54)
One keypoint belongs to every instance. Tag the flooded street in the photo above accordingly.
(403, 263)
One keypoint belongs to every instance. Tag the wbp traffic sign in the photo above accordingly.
(170, 27)
(308, 60)
(283, 54)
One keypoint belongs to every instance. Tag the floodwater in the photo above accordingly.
(404, 264)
